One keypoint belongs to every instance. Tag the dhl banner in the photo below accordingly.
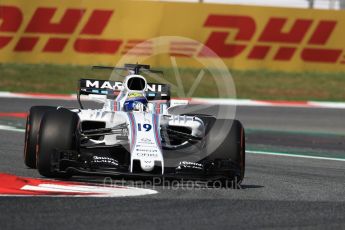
(102, 32)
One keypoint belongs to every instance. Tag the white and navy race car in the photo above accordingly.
(139, 132)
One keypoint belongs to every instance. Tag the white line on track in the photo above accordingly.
(221, 101)
(11, 128)
(294, 155)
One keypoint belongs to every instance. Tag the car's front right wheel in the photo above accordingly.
(58, 131)
(32, 127)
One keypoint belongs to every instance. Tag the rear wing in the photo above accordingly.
(111, 89)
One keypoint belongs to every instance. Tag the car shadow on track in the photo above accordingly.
(163, 184)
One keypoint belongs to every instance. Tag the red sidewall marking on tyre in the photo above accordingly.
(11, 185)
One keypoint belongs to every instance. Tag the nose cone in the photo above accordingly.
(147, 165)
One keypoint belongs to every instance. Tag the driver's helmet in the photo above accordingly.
(135, 102)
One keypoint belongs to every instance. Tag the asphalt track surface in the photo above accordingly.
(278, 191)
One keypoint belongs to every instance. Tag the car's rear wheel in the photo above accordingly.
(58, 131)
(33, 122)
(231, 147)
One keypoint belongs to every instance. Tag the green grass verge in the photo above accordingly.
(259, 84)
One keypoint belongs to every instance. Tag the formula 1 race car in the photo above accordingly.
(139, 132)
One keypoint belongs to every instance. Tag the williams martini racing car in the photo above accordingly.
(139, 132)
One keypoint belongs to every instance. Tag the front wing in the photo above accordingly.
(66, 162)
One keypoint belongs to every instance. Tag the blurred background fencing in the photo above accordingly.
(313, 4)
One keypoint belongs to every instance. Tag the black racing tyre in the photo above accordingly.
(33, 122)
(233, 145)
(58, 131)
